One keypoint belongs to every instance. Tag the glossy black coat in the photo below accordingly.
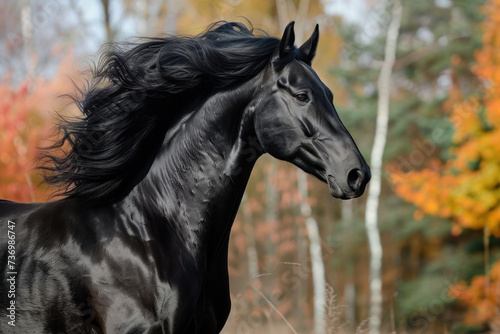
(151, 257)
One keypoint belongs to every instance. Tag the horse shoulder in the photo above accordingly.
(48, 270)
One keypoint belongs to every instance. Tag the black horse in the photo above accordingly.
(154, 171)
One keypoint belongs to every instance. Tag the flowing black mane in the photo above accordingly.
(132, 96)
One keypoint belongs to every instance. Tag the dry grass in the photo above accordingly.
(265, 323)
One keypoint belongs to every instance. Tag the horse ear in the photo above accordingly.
(287, 41)
(309, 47)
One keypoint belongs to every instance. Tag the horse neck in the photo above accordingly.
(198, 178)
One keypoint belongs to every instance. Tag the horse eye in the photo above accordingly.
(302, 97)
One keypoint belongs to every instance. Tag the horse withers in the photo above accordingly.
(153, 173)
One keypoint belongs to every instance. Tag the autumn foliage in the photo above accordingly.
(26, 113)
(481, 296)
(466, 188)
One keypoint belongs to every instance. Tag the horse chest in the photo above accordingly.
(182, 305)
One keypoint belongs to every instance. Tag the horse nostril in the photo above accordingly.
(355, 178)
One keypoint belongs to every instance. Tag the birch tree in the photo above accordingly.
(317, 264)
(371, 215)
(347, 215)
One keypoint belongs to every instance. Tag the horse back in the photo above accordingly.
(10, 214)
(9, 207)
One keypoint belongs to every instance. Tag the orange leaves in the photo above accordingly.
(466, 188)
(17, 145)
(488, 58)
(493, 219)
(482, 295)
(24, 123)
(427, 189)
(464, 119)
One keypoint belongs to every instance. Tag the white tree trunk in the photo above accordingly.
(317, 264)
(350, 285)
(371, 218)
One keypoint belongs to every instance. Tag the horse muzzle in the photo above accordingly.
(351, 185)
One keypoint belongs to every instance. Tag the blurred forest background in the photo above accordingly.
(300, 260)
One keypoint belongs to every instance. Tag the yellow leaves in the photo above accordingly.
(464, 119)
(466, 188)
(454, 190)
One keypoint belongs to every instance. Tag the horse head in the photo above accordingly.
(297, 122)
